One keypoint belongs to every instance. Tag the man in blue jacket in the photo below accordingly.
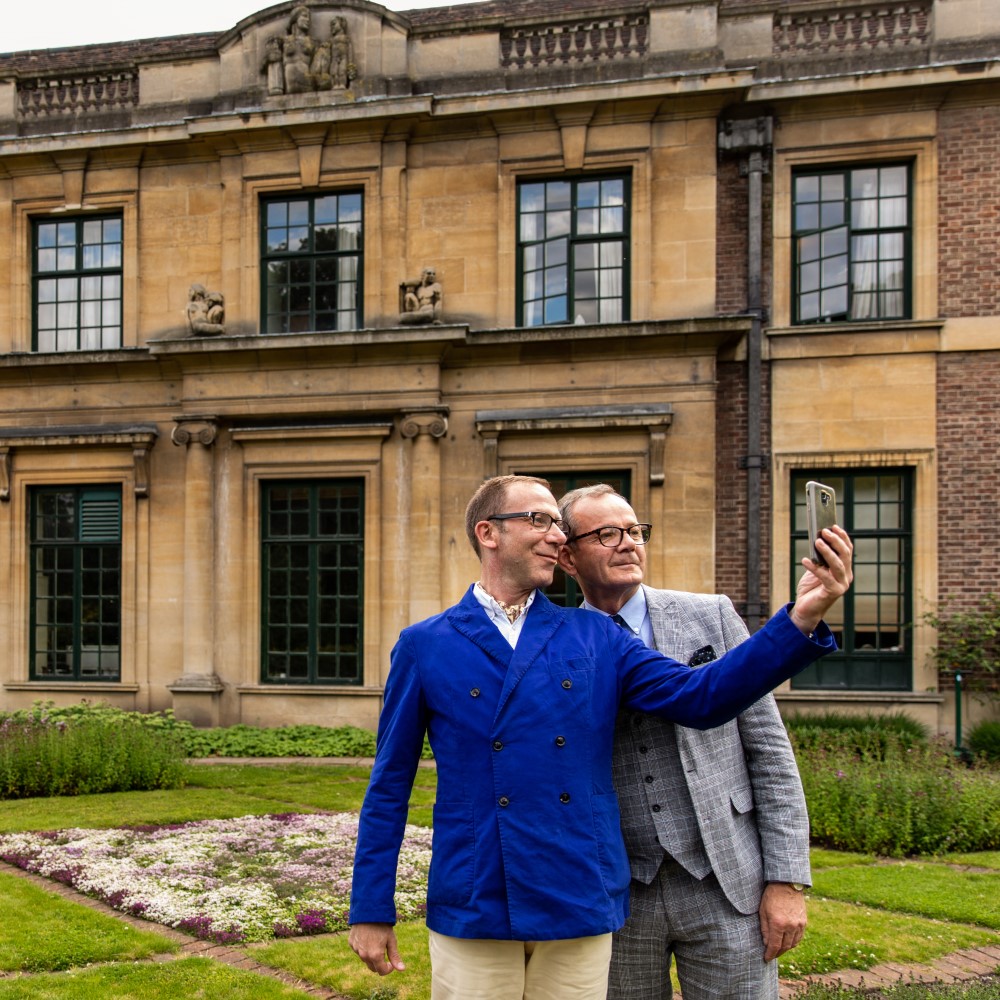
(518, 698)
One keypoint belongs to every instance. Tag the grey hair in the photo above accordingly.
(571, 499)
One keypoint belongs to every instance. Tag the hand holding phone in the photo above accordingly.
(821, 512)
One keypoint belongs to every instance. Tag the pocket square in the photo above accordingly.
(704, 655)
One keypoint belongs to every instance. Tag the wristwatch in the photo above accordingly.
(797, 886)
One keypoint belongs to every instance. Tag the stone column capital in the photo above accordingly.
(431, 422)
(188, 429)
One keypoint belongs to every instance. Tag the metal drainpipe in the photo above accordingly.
(750, 140)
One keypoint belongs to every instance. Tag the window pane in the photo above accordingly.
(878, 233)
(873, 618)
(313, 589)
(318, 290)
(88, 252)
(567, 215)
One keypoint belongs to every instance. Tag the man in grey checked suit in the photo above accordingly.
(715, 822)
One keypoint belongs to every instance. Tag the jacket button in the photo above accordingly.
(649, 779)
(560, 741)
(497, 745)
(656, 808)
(567, 684)
(564, 797)
(643, 749)
(504, 801)
(474, 692)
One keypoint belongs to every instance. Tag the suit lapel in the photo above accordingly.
(469, 618)
(544, 618)
(541, 624)
(666, 619)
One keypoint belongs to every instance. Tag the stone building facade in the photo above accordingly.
(273, 301)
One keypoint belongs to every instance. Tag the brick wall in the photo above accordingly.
(731, 407)
(731, 485)
(968, 475)
(969, 205)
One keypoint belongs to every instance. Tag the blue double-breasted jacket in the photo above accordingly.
(527, 842)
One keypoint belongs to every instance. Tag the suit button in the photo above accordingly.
(567, 684)
(649, 779)
(474, 692)
(497, 745)
(643, 749)
(504, 801)
(560, 741)
(656, 809)
(564, 797)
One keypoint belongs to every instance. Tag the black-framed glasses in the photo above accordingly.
(540, 521)
(611, 537)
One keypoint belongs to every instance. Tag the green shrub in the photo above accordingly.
(281, 741)
(41, 756)
(901, 801)
(869, 735)
(223, 741)
(984, 740)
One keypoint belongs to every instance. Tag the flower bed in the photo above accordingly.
(234, 880)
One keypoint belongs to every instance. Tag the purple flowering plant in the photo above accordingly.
(253, 878)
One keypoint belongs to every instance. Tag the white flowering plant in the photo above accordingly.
(253, 878)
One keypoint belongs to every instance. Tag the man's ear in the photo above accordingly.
(486, 533)
(566, 561)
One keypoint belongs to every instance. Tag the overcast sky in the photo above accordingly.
(58, 23)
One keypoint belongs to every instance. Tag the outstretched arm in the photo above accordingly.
(820, 586)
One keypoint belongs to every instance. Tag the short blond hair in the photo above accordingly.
(488, 501)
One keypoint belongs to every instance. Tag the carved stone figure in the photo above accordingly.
(206, 311)
(295, 63)
(333, 64)
(421, 300)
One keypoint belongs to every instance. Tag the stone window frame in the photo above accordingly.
(575, 161)
(247, 226)
(921, 155)
(26, 214)
(114, 456)
(313, 255)
(303, 458)
(627, 437)
(316, 621)
(621, 237)
(79, 273)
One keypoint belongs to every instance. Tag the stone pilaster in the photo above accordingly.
(425, 429)
(197, 692)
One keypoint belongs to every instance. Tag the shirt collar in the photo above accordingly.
(633, 611)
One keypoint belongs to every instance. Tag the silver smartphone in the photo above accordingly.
(821, 512)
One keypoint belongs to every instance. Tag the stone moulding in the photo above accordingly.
(140, 438)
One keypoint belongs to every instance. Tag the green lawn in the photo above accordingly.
(861, 912)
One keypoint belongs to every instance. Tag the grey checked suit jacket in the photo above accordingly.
(743, 781)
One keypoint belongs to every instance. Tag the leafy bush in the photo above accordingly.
(968, 642)
(984, 740)
(870, 735)
(897, 800)
(41, 755)
(223, 741)
(282, 741)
